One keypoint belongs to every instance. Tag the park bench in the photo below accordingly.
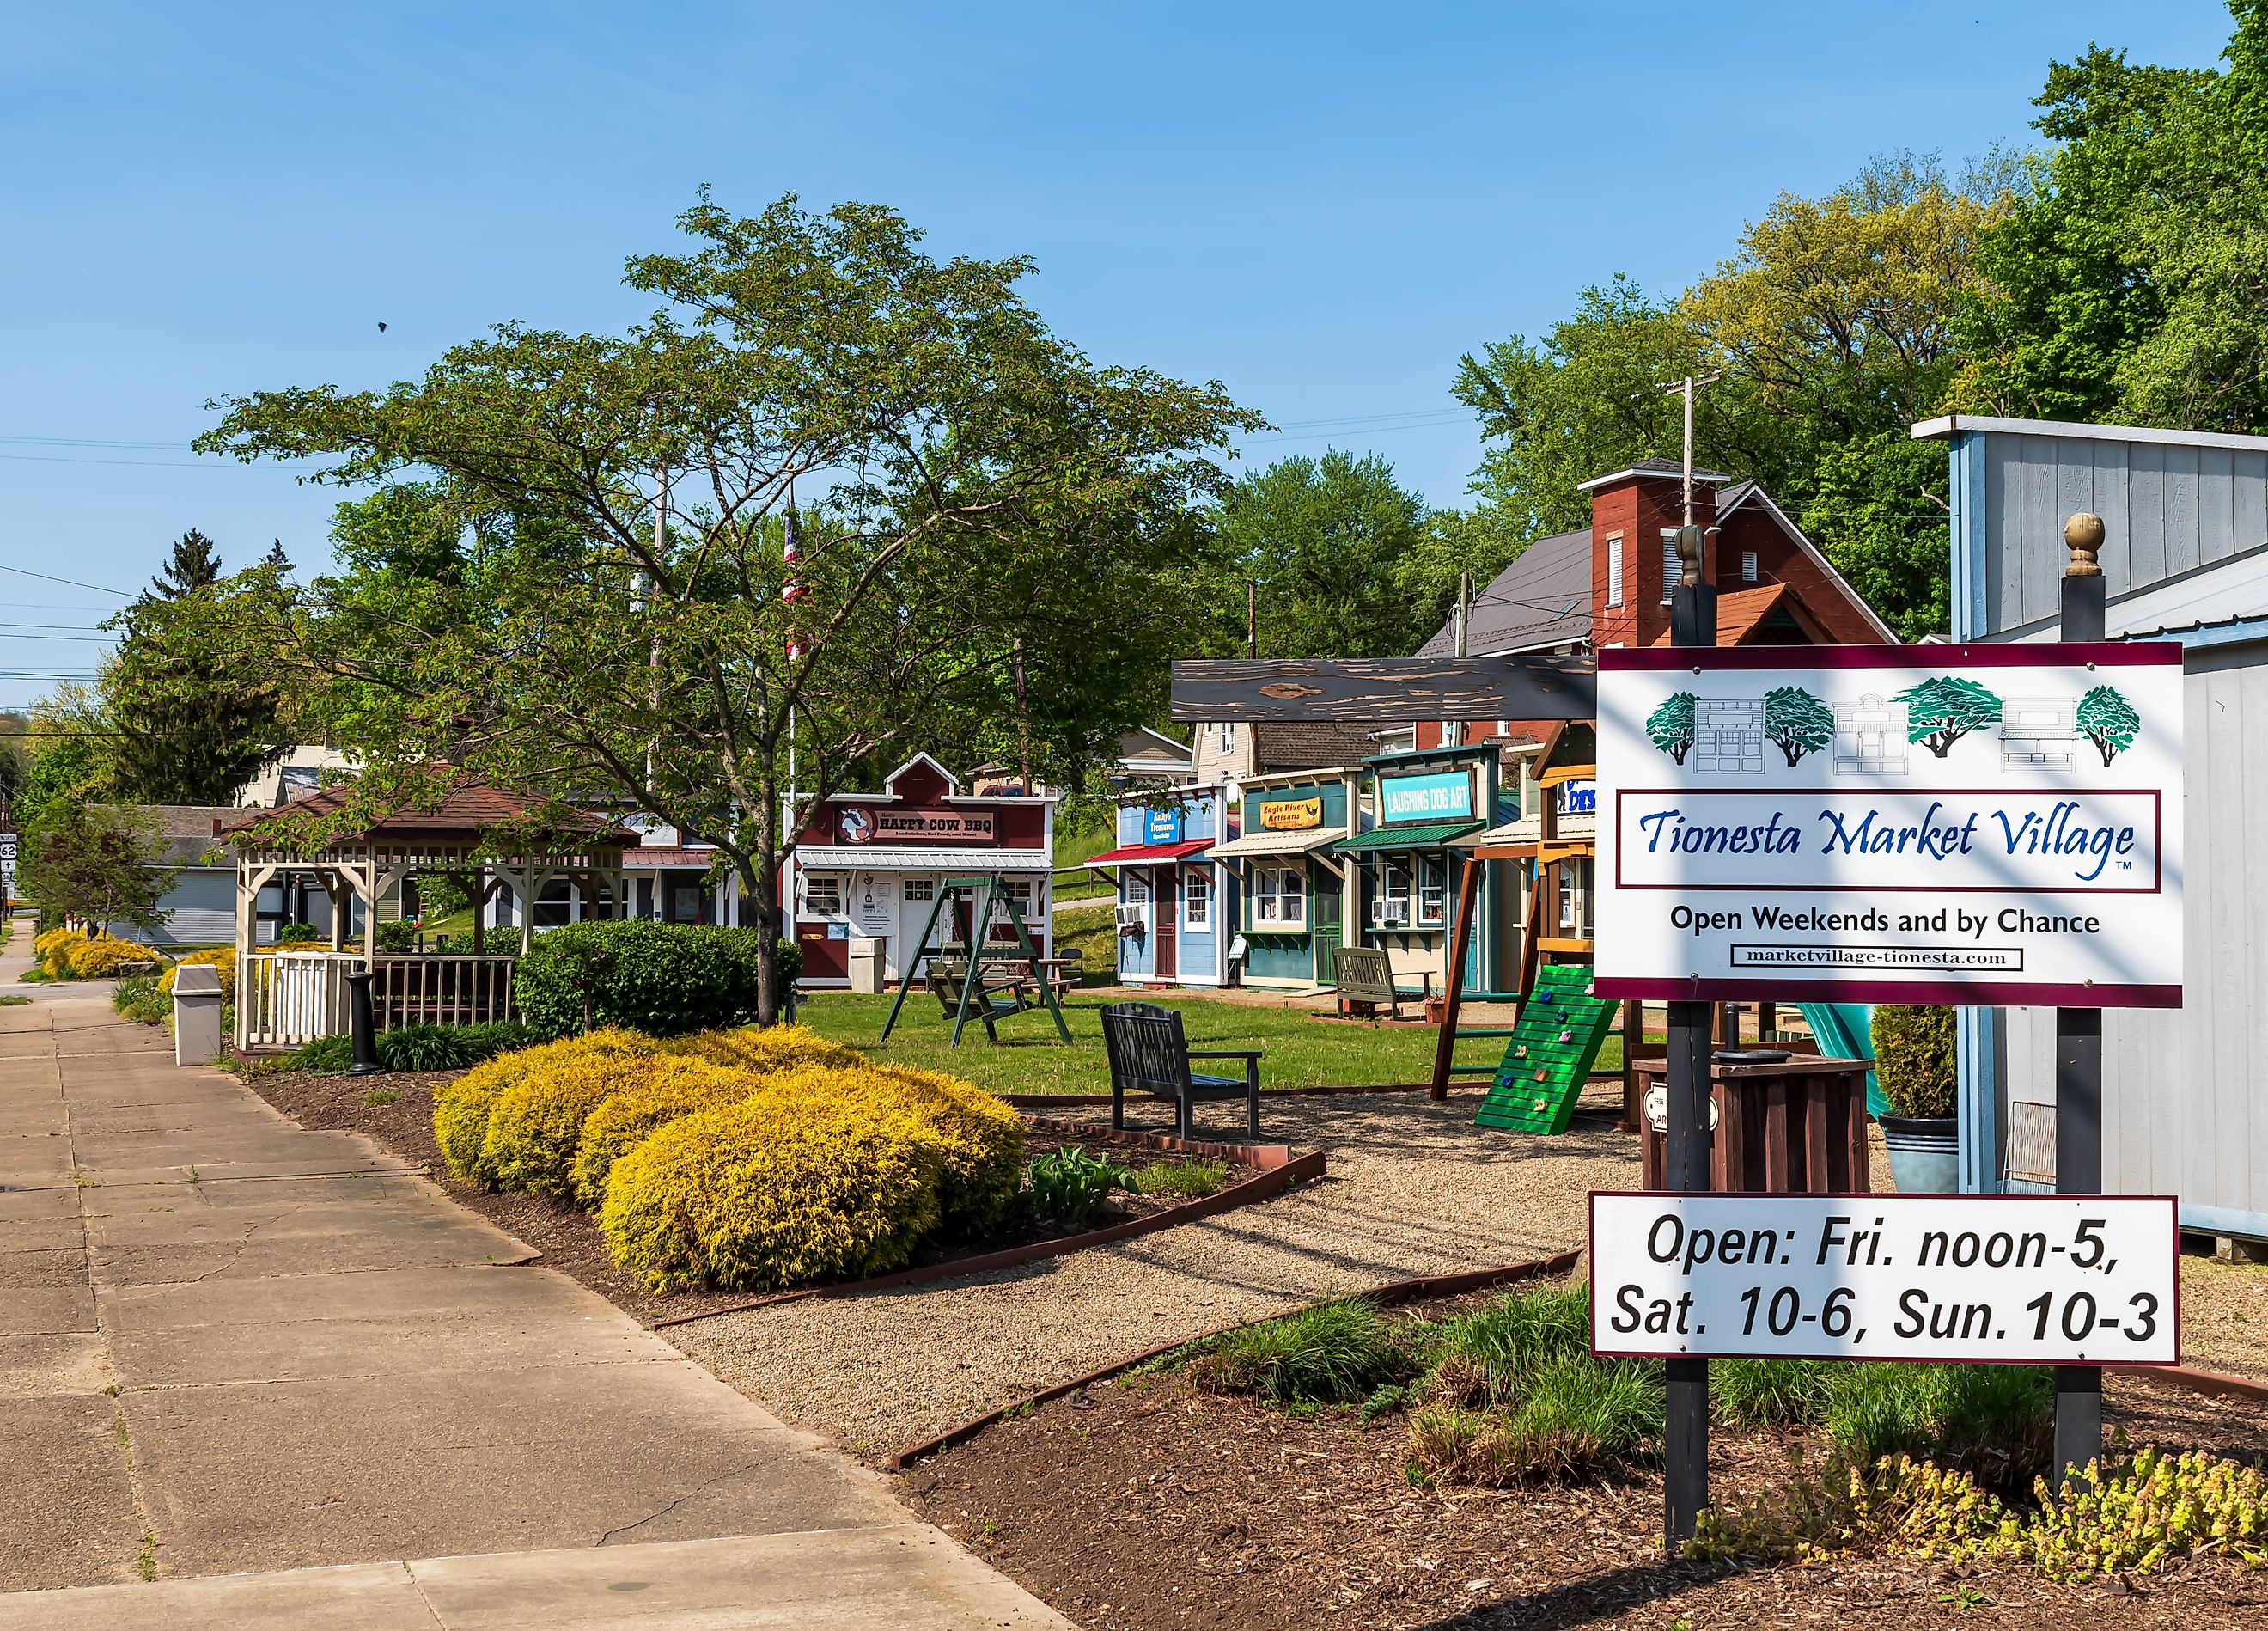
(988, 1003)
(1366, 982)
(1149, 1055)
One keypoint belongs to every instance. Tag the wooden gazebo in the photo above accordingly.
(286, 995)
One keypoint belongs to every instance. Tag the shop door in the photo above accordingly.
(874, 907)
(919, 900)
(1166, 922)
(1328, 932)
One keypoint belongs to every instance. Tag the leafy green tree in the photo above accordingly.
(1941, 712)
(188, 722)
(1005, 535)
(2106, 718)
(1881, 504)
(1797, 722)
(1670, 727)
(1325, 542)
(102, 866)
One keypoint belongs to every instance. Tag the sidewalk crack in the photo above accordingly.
(700, 1488)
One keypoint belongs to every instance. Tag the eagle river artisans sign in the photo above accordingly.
(1922, 823)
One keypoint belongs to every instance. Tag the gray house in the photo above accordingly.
(202, 900)
(2185, 557)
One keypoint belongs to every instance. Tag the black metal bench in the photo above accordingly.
(986, 1003)
(1366, 981)
(1149, 1055)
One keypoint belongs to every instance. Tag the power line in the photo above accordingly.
(67, 582)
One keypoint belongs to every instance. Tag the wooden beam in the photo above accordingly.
(1385, 689)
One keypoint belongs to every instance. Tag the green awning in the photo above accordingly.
(1414, 835)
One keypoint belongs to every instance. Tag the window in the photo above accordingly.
(1278, 897)
(1196, 902)
(1747, 566)
(1228, 737)
(822, 894)
(1433, 890)
(1575, 879)
(1672, 568)
(1614, 571)
(1390, 899)
(1138, 889)
(921, 889)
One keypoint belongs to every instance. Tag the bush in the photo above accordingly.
(221, 957)
(1573, 1418)
(398, 935)
(1914, 1059)
(675, 1088)
(1336, 1353)
(982, 1141)
(139, 998)
(781, 1189)
(663, 979)
(766, 1050)
(298, 935)
(101, 959)
(1487, 1356)
(535, 1124)
(53, 947)
(1769, 1392)
(461, 1107)
(1070, 1185)
(414, 1047)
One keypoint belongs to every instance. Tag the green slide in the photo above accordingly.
(1845, 1032)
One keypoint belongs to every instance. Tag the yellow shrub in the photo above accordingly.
(675, 1086)
(54, 947)
(779, 1189)
(983, 1142)
(778, 1047)
(221, 957)
(101, 959)
(461, 1107)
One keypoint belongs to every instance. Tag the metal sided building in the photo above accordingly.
(868, 866)
(1294, 885)
(1405, 866)
(2184, 557)
(1175, 903)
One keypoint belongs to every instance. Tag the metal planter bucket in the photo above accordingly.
(1925, 1153)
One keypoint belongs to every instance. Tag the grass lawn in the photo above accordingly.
(1299, 1051)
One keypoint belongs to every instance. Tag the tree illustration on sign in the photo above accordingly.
(1941, 712)
(1797, 722)
(2108, 720)
(1670, 726)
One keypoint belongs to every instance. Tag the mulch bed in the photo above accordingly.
(568, 1237)
(1141, 1503)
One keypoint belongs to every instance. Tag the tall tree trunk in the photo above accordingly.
(769, 851)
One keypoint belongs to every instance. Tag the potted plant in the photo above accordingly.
(1914, 1063)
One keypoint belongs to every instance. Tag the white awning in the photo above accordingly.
(1258, 843)
(892, 858)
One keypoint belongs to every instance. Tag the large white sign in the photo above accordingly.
(1917, 823)
(2028, 1279)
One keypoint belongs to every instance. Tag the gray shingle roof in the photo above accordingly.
(1543, 598)
(1287, 745)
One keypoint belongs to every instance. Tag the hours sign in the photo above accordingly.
(1927, 823)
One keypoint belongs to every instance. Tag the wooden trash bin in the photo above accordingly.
(1794, 1128)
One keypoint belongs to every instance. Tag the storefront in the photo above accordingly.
(1406, 865)
(1174, 901)
(867, 866)
(1292, 885)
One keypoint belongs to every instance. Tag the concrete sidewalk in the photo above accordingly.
(231, 1346)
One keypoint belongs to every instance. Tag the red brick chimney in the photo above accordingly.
(1630, 510)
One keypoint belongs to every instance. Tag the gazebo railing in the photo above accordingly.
(443, 990)
(287, 998)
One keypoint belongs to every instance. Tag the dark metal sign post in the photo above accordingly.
(2078, 1049)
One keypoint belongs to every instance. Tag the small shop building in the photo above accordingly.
(1291, 885)
(1406, 865)
(1176, 902)
(867, 868)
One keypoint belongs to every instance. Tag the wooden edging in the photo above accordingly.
(1386, 1296)
(1278, 1170)
(2209, 1381)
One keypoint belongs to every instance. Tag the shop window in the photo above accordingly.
(1390, 897)
(1196, 902)
(1293, 897)
(822, 894)
(921, 889)
(1137, 890)
(1433, 888)
(1575, 897)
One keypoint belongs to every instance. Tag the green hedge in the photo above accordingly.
(1914, 1059)
(667, 979)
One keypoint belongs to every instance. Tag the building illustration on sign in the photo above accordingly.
(1726, 736)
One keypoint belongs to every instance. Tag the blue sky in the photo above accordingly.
(1321, 205)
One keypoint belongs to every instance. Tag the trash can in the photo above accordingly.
(196, 1014)
(866, 965)
(1778, 1126)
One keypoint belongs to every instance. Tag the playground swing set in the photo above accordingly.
(960, 984)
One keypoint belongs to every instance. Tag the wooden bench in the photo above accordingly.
(987, 1004)
(1366, 982)
(1149, 1055)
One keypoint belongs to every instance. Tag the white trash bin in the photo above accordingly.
(866, 972)
(196, 1014)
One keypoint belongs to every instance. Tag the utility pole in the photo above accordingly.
(1689, 385)
(1464, 617)
(1252, 618)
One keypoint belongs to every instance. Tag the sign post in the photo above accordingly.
(1904, 824)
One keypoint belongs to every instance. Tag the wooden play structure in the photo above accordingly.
(962, 983)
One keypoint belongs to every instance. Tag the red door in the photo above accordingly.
(1166, 911)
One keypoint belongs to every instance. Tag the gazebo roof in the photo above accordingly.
(467, 811)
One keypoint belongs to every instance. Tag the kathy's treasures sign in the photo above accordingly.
(2016, 1279)
(1921, 823)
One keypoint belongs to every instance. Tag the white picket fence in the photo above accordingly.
(287, 998)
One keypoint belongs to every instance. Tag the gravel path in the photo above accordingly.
(1414, 1188)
